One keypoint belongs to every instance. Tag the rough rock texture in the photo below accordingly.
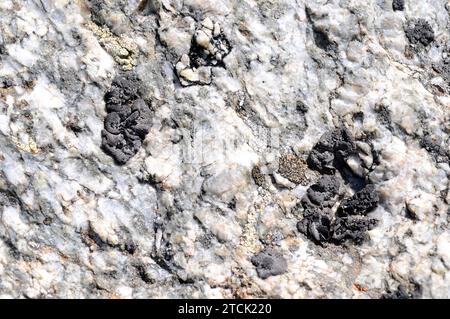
(224, 148)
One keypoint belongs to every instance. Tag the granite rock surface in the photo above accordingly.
(224, 149)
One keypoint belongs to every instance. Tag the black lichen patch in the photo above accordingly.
(206, 240)
(316, 225)
(419, 32)
(331, 154)
(352, 228)
(322, 40)
(323, 192)
(349, 222)
(232, 204)
(361, 203)
(200, 56)
(317, 214)
(128, 119)
(403, 292)
(331, 151)
(124, 89)
(398, 5)
(269, 263)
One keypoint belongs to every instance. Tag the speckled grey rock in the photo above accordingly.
(319, 129)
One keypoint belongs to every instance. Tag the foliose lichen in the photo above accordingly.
(268, 263)
(128, 120)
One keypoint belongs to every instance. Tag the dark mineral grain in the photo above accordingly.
(398, 5)
(6, 82)
(435, 149)
(269, 263)
(8, 198)
(322, 40)
(403, 292)
(128, 119)
(301, 107)
(320, 36)
(200, 57)
(443, 67)
(384, 116)
(97, 9)
(419, 32)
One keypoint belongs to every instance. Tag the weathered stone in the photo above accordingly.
(214, 105)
